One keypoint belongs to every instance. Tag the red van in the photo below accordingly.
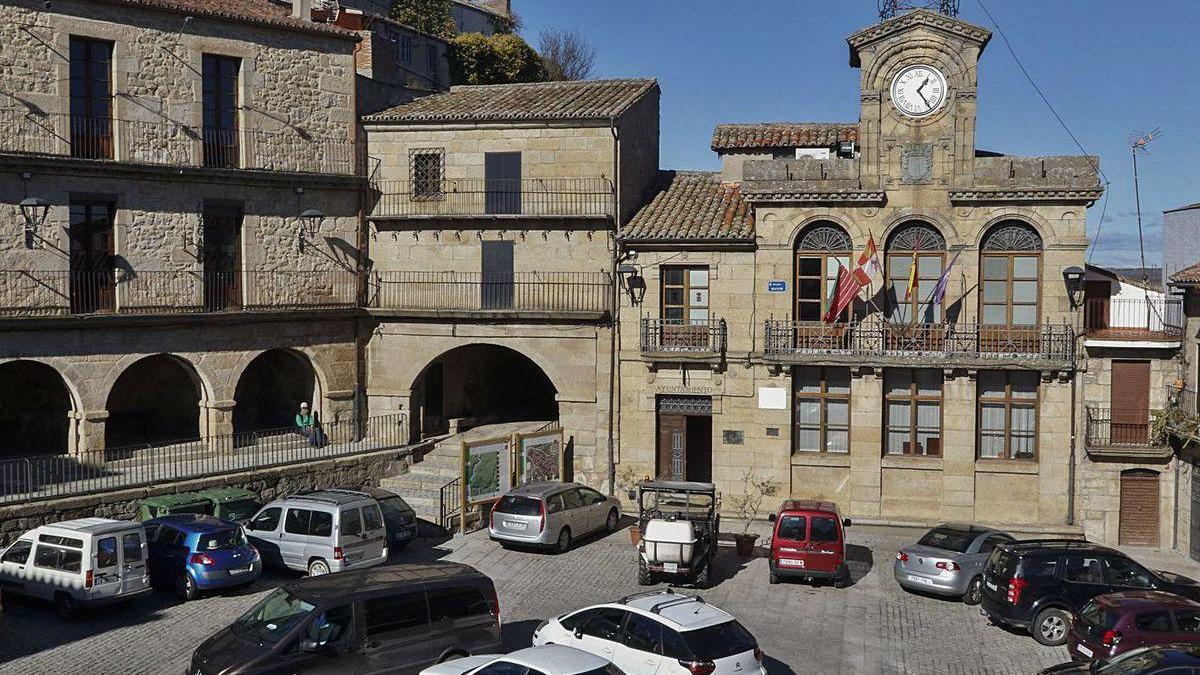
(809, 542)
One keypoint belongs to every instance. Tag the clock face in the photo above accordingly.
(919, 90)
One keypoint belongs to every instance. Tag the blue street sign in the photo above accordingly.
(777, 286)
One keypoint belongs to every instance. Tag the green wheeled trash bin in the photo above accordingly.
(233, 504)
(168, 505)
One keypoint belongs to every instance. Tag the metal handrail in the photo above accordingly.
(467, 291)
(467, 197)
(1135, 317)
(1106, 427)
(52, 476)
(707, 336)
(450, 503)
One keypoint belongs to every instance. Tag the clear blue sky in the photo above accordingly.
(1110, 67)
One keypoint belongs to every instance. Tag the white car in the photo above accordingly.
(543, 660)
(659, 633)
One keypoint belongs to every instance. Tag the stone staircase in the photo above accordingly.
(421, 485)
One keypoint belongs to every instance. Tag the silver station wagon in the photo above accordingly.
(948, 560)
(552, 514)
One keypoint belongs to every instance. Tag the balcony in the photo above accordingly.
(678, 340)
(1123, 434)
(1182, 414)
(171, 144)
(31, 294)
(962, 344)
(528, 294)
(506, 198)
(1134, 321)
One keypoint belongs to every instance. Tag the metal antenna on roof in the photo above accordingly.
(889, 9)
(1138, 143)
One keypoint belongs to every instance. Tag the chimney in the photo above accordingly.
(302, 9)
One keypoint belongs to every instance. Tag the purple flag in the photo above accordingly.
(939, 291)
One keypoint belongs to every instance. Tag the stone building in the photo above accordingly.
(1181, 231)
(907, 409)
(179, 221)
(492, 252)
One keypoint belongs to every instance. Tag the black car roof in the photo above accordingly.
(354, 582)
(1028, 546)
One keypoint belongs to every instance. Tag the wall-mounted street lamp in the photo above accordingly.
(634, 283)
(310, 224)
(34, 210)
(1073, 278)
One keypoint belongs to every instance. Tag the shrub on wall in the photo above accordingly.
(500, 59)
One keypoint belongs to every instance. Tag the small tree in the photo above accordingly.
(500, 59)
(428, 16)
(566, 54)
(755, 491)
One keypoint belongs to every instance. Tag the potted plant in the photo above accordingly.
(749, 505)
(627, 480)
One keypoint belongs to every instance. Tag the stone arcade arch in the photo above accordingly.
(154, 401)
(35, 403)
(484, 384)
(271, 389)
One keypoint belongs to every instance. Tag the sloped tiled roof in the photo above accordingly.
(1187, 275)
(692, 206)
(262, 12)
(580, 100)
(782, 135)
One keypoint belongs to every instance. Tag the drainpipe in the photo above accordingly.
(1071, 465)
(616, 307)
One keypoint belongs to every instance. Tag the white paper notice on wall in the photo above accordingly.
(772, 398)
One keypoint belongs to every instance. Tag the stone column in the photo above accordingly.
(88, 437)
(336, 415)
(958, 447)
(216, 424)
(866, 443)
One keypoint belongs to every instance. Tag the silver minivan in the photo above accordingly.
(78, 563)
(320, 532)
(550, 513)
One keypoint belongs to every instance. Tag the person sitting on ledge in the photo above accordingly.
(310, 427)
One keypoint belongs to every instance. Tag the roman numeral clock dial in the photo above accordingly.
(918, 91)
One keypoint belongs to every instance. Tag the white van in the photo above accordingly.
(320, 532)
(78, 563)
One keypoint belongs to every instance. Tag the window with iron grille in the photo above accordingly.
(406, 50)
(426, 172)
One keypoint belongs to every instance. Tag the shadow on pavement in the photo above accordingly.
(860, 561)
(518, 634)
(777, 667)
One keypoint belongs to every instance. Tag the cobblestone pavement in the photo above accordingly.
(871, 627)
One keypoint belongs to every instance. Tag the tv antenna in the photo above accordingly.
(1137, 144)
(889, 9)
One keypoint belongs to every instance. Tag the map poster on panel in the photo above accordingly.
(541, 456)
(486, 469)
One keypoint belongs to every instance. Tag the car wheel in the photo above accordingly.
(843, 577)
(317, 568)
(643, 574)
(64, 606)
(772, 576)
(185, 587)
(974, 594)
(1050, 627)
(450, 656)
(614, 519)
(564, 540)
(702, 577)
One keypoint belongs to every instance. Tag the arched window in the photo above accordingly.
(820, 247)
(1010, 275)
(916, 253)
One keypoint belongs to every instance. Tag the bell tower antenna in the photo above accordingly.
(889, 9)
(1137, 144)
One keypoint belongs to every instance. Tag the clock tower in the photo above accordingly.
(918, 93)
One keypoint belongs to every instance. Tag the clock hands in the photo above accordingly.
(922, 86)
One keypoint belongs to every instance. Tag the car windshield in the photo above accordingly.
(1129, 663)
(719, 641)
(676, 501)
(272, 618)
(231, 538)
(947, 539)
(393, 508)
(519, 506)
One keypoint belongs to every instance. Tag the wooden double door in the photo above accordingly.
(684, 442)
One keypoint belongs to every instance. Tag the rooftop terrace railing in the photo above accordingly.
(471, 198)
(493, 293)
(1134, 318)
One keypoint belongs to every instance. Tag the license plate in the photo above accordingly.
(514, 525)
(790, 562)
(991, 586)
(242, 570)
(671, 568)
(1084, 650)
(920, 580)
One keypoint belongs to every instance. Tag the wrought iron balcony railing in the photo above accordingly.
(493, 293)
(1134, 318)
(59, 292)
(702, 338)
(795, 340)
(1119, 428)
(466, 198)
(173, 144)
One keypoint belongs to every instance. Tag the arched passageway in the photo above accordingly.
(34, 403)
(271, 389)
(483, 384)
(155, 401)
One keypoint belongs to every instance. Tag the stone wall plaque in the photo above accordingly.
(916, 163)
(772, 398)
(733, 436)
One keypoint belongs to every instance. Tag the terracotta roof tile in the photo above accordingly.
(692, 206)
(782, 135)
(263, 12)
(585, 99)
(1187, 275)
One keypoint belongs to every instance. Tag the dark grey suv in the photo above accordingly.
(397, 619)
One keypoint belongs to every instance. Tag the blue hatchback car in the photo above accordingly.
(194, 552)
